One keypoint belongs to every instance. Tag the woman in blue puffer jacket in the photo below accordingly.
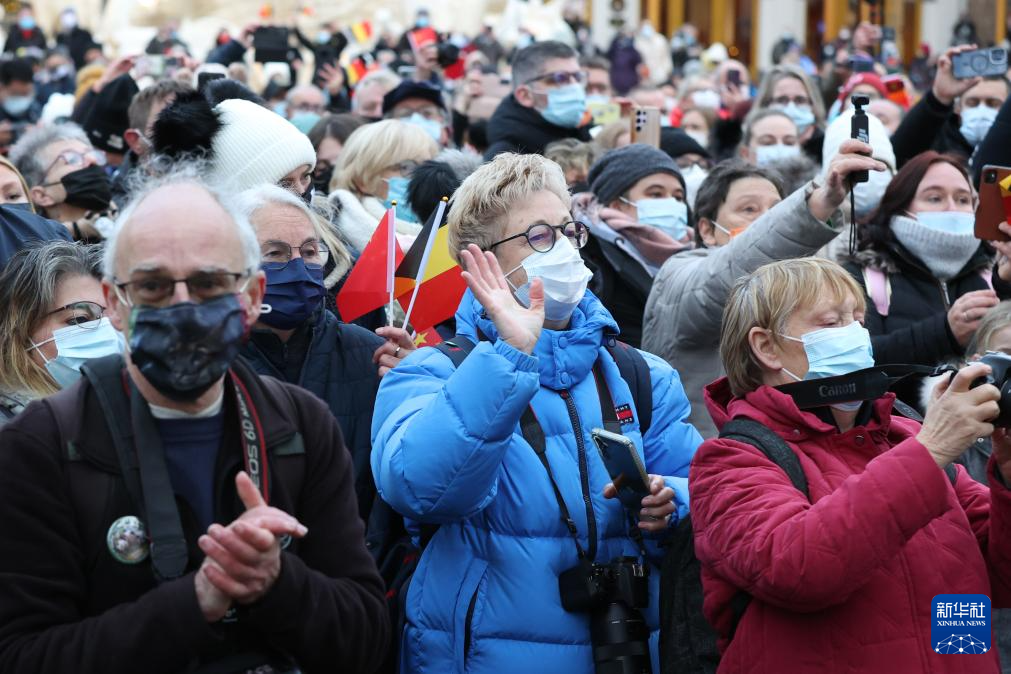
(448, 448)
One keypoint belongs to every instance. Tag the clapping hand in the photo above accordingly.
(518, 326)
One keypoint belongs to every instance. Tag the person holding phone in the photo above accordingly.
(452, 444)
(841, 578)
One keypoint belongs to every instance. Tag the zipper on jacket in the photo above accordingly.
(467, 622)
(944, 294)
(584, 473)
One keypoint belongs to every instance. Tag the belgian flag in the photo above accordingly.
(441, 285)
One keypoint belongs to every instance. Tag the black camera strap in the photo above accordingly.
(867, 384)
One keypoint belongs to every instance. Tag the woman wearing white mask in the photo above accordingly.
(770, 136)
(927, 277)
(742, 221)
(456, 441)
(788, 88)
(52, 321)
(638, 216)
(865, 519)
(693, 159)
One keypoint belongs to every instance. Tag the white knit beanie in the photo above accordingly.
(839, 131)
(256, 145)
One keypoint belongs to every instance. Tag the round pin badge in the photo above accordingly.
(127, 540)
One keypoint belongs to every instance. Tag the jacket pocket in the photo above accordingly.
(468, 602)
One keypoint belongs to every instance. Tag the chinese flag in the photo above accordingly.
(368, 285)
(428, 337)
(442, 286)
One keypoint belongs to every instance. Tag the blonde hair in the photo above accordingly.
(764, 97)
(767, 298)
(488, 194)
(994, 320)
(570, 153)
(607, 138)
(374, 148)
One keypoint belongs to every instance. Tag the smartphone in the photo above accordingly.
(734, 77)
(991, 212)
(270, 44)
(980, 63)
(861, 65)
(646, 126)
(623, 464)
(604, 113)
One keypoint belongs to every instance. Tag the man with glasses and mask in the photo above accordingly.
(172, 510)
(421, 104)
(548, 102)
(66, 179)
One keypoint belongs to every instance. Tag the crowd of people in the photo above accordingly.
(648, 440)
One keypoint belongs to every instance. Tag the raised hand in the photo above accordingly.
(959, 414)
(853, 156)
(946, 88)
(518, 326)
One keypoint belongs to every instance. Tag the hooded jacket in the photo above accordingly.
(916, 328)
(843, 582)
(515, 128)
(929, 125)
(685, 307)
(448, 450)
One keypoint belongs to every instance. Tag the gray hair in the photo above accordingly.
(185, 172)
(252, 200)
(28, 154)
(529, 61)
(301, 89)
(994, 320)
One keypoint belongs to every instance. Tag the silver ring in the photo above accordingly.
(396, 352)
(653, 518)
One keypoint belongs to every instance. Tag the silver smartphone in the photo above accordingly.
(623, 464)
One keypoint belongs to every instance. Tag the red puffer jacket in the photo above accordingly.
(842, 583)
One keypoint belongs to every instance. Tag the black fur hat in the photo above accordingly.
(186, 127)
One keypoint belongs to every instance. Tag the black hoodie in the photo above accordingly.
(514, 128)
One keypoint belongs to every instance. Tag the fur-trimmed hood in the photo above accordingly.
(888, 259)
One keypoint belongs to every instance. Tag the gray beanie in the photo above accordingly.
(618, 170)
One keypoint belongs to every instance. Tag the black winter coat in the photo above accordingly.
(916, 328)
(514, 128)
(66, 605)
(929, 125)
(336, 365)
(621, 284)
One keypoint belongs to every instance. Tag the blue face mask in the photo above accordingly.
(433, 129)
(294, 293)
(16, 106)
(836, 351)
(668, 215)
(26, 23)
(566, 106)
(304, 121)
(954, 222)
(397, 191)
(76, 344)
(802, 115)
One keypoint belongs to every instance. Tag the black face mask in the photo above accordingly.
(321, 181)
(88, 188)
(308, 194)
(184, 348)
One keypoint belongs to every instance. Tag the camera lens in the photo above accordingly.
(998, 55)
(990, 177)
(978, 63)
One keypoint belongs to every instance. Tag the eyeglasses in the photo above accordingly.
(277, 254)
(787, 100)
(82, 313)
(308, 107)
(202, 286)
(429, 112)
(76, 159)
(542, 237)
(404, 168)
(685, 163)
(560, 78)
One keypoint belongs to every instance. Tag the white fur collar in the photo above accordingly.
(358, 218)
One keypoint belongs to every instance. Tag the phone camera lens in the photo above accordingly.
(990, 177)
(978, 63)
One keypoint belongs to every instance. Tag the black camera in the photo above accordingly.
(1000, 376)
(612, 594)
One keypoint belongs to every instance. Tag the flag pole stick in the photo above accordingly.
(424, 258)
(390, 256)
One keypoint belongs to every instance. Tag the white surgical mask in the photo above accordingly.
(868, 195)
(694, 176)
(767, 154)
(832, 352)
(706, 98)
(700, 137)
(564, 275)
(976, 122)
(76, 344)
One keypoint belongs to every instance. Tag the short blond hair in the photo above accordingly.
(570, 153)
(373, 148)
(480, 203)
(767, 298)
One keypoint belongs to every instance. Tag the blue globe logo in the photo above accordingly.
(961, 643)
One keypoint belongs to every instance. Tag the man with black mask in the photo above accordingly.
(174, 496)
(67, 180)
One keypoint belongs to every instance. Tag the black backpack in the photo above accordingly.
(688, 643)
(633, 369)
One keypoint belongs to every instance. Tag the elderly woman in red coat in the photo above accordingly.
(842, 582)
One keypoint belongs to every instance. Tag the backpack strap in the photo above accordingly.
(879, 289)
(774, 447)
(635, 371)
(457, 348)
